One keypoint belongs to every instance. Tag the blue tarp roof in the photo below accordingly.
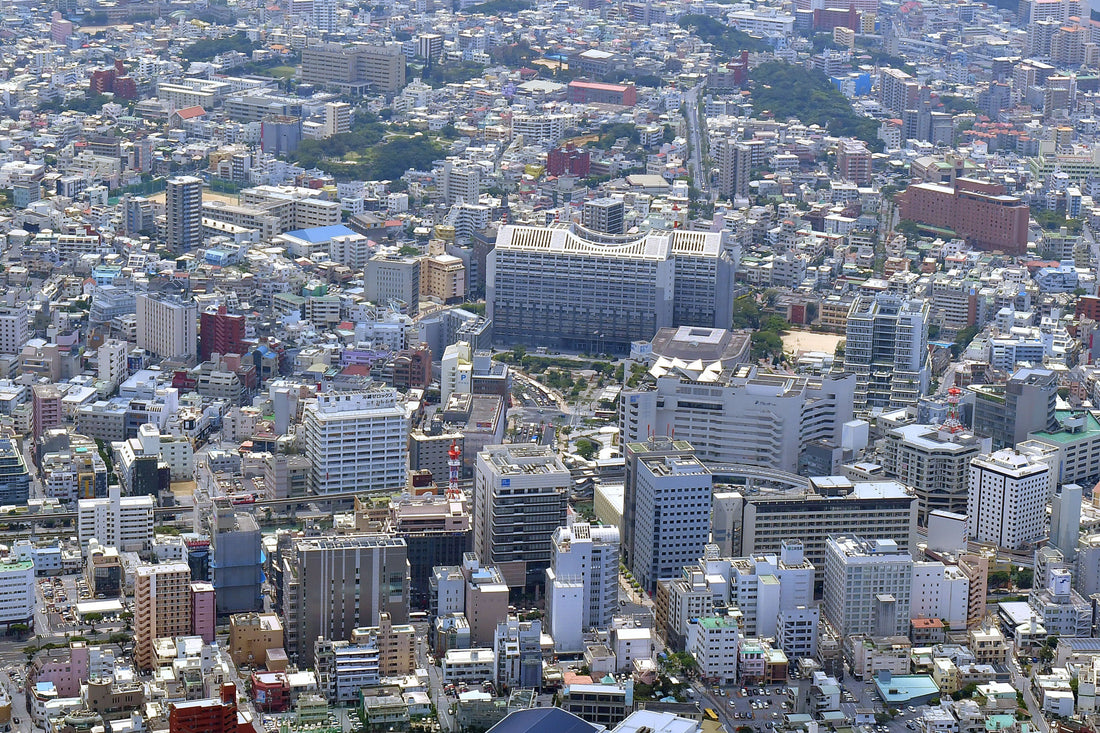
(321, 234)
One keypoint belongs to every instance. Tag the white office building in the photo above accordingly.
(867, 586)
(521, 494)
(356, 441)
(754, 417)
(582, 582)
(1008, 499)
(124, 522)
(17, 597)
(14, 328)
(940, 591)
(671, 522)
(935, 463)
(763, 585)
(887, 349)
(714, 642)
(167, 326)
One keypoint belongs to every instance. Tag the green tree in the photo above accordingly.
(586, 448)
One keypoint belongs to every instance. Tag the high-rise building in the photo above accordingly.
(604, 215)
(183, 207)
(521, 493)
(1026, 403)
(759, 521)
(125, 522)
(565, 287)
(162, 607)
(355, 441)
(45, 408)
(329, 586)
(1065, 520)
(359, 67)
(220, 332)
(167, 326)
(734, 167)
(111, 356)
(459, 183)
(393, 278)
(935, 462)
(324, 15)
(17, 593)
(204, 614)
(853, 162)
(750, 416)
(582, 582)
(887, 349)
(235, 548)
(1008, 499)
(337, 118)
(15, 480)
(673, 498)
(867, 586)
(14, 329)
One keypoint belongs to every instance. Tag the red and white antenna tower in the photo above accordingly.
(952, 423)
(454, 465)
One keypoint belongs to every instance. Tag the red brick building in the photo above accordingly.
(585, 92)
(210, 716)
(560, 161)
(978, 211)
(221, 333)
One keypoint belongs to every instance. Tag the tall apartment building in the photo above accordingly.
(393, 278)
(237, 567)
(220, 332)
(45, 408)
(867, 586)
(582, 582)
(1007, 413)
(759, 522)
(167, 326)
(604, 215)
(15, 480)
(521, 493)
(14, 328)
(329, 586)
(934, 461)
(853, 162)
(752, 416)
(897, 90)
(324, 15)
(565, 287)
(355, 441)
(183, 208)
(359, 67)
(1008, 499)
(162, 607)
(337, 118)
(887, 349)
(125, 522)
(111, 356)
(459, 183)
(734, 166)
(17, 592)
(762, 586)
(673, 495)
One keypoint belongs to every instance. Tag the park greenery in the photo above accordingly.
(208, 48)
(729, 42)
(784, 91)
(366, 154)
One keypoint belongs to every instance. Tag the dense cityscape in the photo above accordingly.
(549, 366)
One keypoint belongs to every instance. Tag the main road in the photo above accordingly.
(697, 131)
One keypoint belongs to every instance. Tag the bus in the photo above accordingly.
(710, 714)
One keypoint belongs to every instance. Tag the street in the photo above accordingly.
(696, 132)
